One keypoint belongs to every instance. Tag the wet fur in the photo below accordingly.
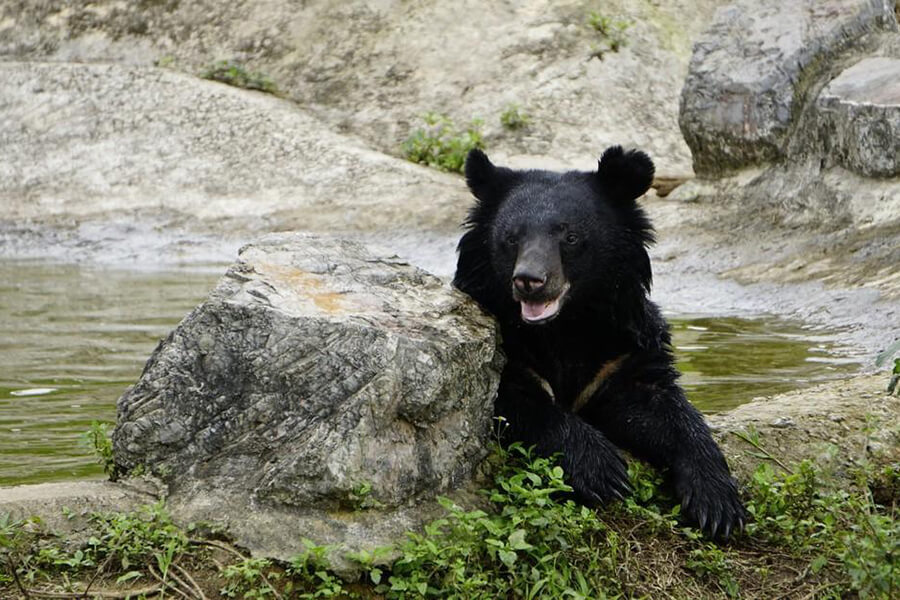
(637, 405)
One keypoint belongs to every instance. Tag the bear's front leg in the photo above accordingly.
(655, 422)
(593, 465)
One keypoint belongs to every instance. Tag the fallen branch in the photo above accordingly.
(764, 453)
(187, 576)
(167, 584)
(236, 552)
(15, 574)
(147, 591)
(84, 594)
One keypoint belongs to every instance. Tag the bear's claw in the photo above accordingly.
(596, 470)
(712, 503)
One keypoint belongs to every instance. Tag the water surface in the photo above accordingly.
(73, 337)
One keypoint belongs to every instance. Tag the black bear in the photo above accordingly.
(560, 259)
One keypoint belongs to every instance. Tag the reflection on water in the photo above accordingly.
(726, 361)
(72, 338)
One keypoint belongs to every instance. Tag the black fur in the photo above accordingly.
(580, 240)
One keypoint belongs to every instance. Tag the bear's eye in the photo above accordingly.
(511, 239)
(571, 238)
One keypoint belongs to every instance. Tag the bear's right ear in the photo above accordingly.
(487, 182)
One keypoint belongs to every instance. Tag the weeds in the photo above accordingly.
(533, 543)
(234, 74)
(249, 579)
(98, 441)
(441, 144)
(612, 32)
(360, 497)
(527, 539)
(513, 118)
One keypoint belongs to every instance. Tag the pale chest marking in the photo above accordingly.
(603, 373)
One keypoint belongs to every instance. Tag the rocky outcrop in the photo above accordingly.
(91, 141)
(753, 70)
(320, 392)
(370, 69)
(859, 115)
(791, 110)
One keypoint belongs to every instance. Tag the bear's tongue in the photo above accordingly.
(538, 311)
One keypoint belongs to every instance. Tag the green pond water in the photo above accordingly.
(72, 338)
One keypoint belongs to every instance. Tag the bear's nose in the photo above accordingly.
(528, 283)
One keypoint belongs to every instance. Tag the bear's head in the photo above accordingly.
(543, 244)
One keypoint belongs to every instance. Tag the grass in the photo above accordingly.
(98, 441)
(235, 74)
(808, 538)
(513, 118)
(441, 144)
(611, 31)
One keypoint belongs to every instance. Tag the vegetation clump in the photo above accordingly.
(513, 118)
(529, 539)
(612, 32)
(441, 144)
(97, 440)
(235, 74)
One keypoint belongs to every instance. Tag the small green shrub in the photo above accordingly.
(612, 31)
(249, 579)
(136, 539)
(799, 511)
(360, 497)
(98, 441)
(234, 73)
(441, 144)
(310, 571)
(534, 543)
(513, 118)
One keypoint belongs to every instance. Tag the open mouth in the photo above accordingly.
(541, 311)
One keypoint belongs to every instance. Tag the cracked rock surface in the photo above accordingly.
(320, 392)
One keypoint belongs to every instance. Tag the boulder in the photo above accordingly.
(752, 72)
(859, 113)
(319, 392)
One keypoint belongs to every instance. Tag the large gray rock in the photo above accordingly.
(753, 69)
(315, 381)
(859, 113)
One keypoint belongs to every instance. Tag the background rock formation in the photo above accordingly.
(792, 112)
(112, 141)
(758, 65)
(370, 69)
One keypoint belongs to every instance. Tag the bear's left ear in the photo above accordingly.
(625, 175)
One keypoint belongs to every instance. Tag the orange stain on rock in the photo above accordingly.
(306, 284)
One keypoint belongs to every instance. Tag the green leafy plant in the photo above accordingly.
(97, 439)
(310, 571)
(712, 562)
(799, 511)
(612, 32)
(146, 537)
(534, 543)
(441, 144)
(513, 118)
(235, 74)
(361, 498)
(249, 579)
